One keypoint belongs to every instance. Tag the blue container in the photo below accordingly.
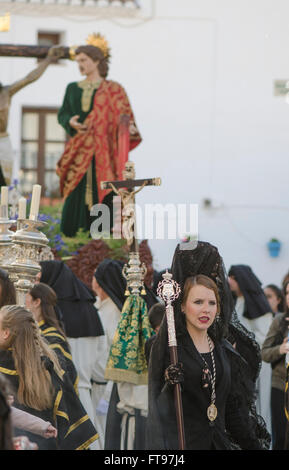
(274, 248)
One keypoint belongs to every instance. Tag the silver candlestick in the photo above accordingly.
(6, 252)
(28, 244)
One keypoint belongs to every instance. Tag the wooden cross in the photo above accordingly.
(134, 271)
(40, 52)
(126, 189)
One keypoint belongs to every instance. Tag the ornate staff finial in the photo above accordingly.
(168, 289)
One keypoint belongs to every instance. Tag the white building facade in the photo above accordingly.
(201, 77)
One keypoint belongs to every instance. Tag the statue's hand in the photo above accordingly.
(81, 128)
(132, 128)
(55, 52)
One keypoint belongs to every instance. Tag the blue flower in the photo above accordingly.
(57, 237)
(58, 247)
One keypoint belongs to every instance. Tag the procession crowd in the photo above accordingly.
(90, 367)
(231, 341)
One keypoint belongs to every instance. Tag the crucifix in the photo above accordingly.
(49, 54)
(127, 189)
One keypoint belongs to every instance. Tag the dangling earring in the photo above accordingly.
(215, 324)
(217, 319)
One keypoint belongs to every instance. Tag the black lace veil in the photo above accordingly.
(205, 259)
(256, 303)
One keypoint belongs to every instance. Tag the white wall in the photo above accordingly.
(199, 75)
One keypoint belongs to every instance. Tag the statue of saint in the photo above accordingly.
(90, 114)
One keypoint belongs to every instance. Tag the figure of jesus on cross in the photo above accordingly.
(126, 189)
(6, 94)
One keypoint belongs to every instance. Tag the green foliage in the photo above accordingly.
(72, 244)
(274, 240)
(64, 246)
(67, 247)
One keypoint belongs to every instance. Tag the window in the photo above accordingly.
(49, 39)
(42, 145)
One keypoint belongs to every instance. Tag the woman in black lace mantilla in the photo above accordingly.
(219, 362)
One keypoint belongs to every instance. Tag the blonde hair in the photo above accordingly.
(35, 388)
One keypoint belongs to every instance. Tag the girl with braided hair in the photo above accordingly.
(40, 385)
(20, 332)
(41, 300)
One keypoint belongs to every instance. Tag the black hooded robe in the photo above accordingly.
(75, 430)
(81, 322)
(59, 344)
(257, 318)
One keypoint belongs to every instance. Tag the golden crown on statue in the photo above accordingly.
(97, 40)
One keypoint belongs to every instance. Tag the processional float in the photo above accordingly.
(134, 272)
(21, 251)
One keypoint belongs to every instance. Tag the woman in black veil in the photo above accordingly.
(109, 276)
(237, 425)
(75, 301)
